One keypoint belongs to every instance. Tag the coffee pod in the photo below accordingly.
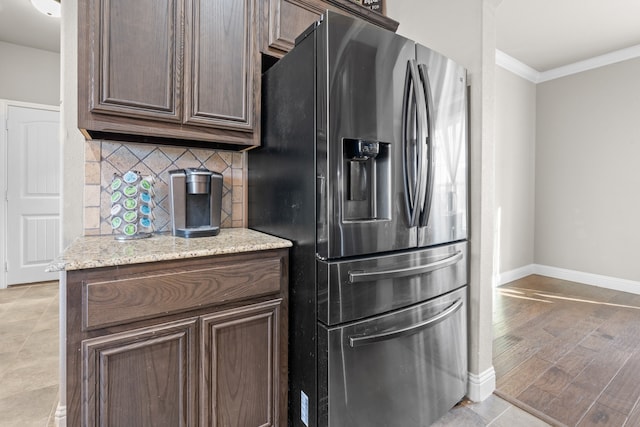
(146, 222)
(146, 198)
(116, 209)
(145, 210)
(130, 203)
(130, 177)
(130, 190)
(116, 183)
(115, 197)
(116, 222)
(130, 229)
(130, 216)
(146, 184)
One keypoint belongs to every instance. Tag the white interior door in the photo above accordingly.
(33, 193)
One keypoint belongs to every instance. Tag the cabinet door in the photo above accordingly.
(144, 377)
(239, 351)
(221, 64)
(136, 48)
(283, 21)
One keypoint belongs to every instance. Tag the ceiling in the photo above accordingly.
(22, 24)
(543, 34)
(547, 34)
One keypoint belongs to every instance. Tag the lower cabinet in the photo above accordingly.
(220, 365)
(240, 362)
(143, 377)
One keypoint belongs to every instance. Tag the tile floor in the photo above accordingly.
(29, 368)
(29, 355)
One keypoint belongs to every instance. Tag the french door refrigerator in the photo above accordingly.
(363, 166)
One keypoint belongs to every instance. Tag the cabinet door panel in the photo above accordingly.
(144, 377)
(287, 19)
(136, 47)
(239, 350)
(220, 63)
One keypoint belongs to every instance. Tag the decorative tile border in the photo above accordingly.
(103, 159)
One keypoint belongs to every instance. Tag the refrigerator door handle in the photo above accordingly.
(369, 276)
(414, 108)
(409, 330)
(430, 118)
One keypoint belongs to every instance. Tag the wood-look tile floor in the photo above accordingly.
(568, 351)
(29, 355)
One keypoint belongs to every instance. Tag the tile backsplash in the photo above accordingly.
(103, 159)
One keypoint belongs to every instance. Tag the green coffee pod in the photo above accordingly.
(130, 216)
(130, 203)
(145, 184)
(116, 222)
(130, 177)
(116, 183)
(130, 229)
(130, 190)
(115, 197)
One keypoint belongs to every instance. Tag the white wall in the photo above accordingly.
(465, 31)
(73, 142)
(587, 171)
(29, 75)
(515, 170)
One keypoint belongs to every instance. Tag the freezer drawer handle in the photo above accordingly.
(368, 276)
(409, 330)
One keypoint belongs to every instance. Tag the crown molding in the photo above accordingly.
(516, 67)
(523, 70)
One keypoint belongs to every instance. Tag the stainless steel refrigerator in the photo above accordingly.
(363, 165)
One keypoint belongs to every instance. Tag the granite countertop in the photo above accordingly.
(105, 251)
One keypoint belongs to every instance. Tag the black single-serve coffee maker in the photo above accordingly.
(196, 198)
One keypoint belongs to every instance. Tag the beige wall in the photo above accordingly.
(515, 170)
(587, 173)
(465, 31)
(29, 75)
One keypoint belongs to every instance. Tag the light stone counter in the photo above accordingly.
(105, 251)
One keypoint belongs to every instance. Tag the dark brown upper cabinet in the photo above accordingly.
(283, 20)
(220, 64)
(169, 70)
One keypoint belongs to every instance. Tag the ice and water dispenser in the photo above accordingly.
(367, 180)
(196, 201)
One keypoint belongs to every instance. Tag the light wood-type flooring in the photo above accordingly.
(568, 352)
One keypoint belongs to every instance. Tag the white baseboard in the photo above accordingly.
(511, 275)
(481, 386)
(61, 416)
(607, 282)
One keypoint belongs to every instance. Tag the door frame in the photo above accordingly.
(4, 141)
